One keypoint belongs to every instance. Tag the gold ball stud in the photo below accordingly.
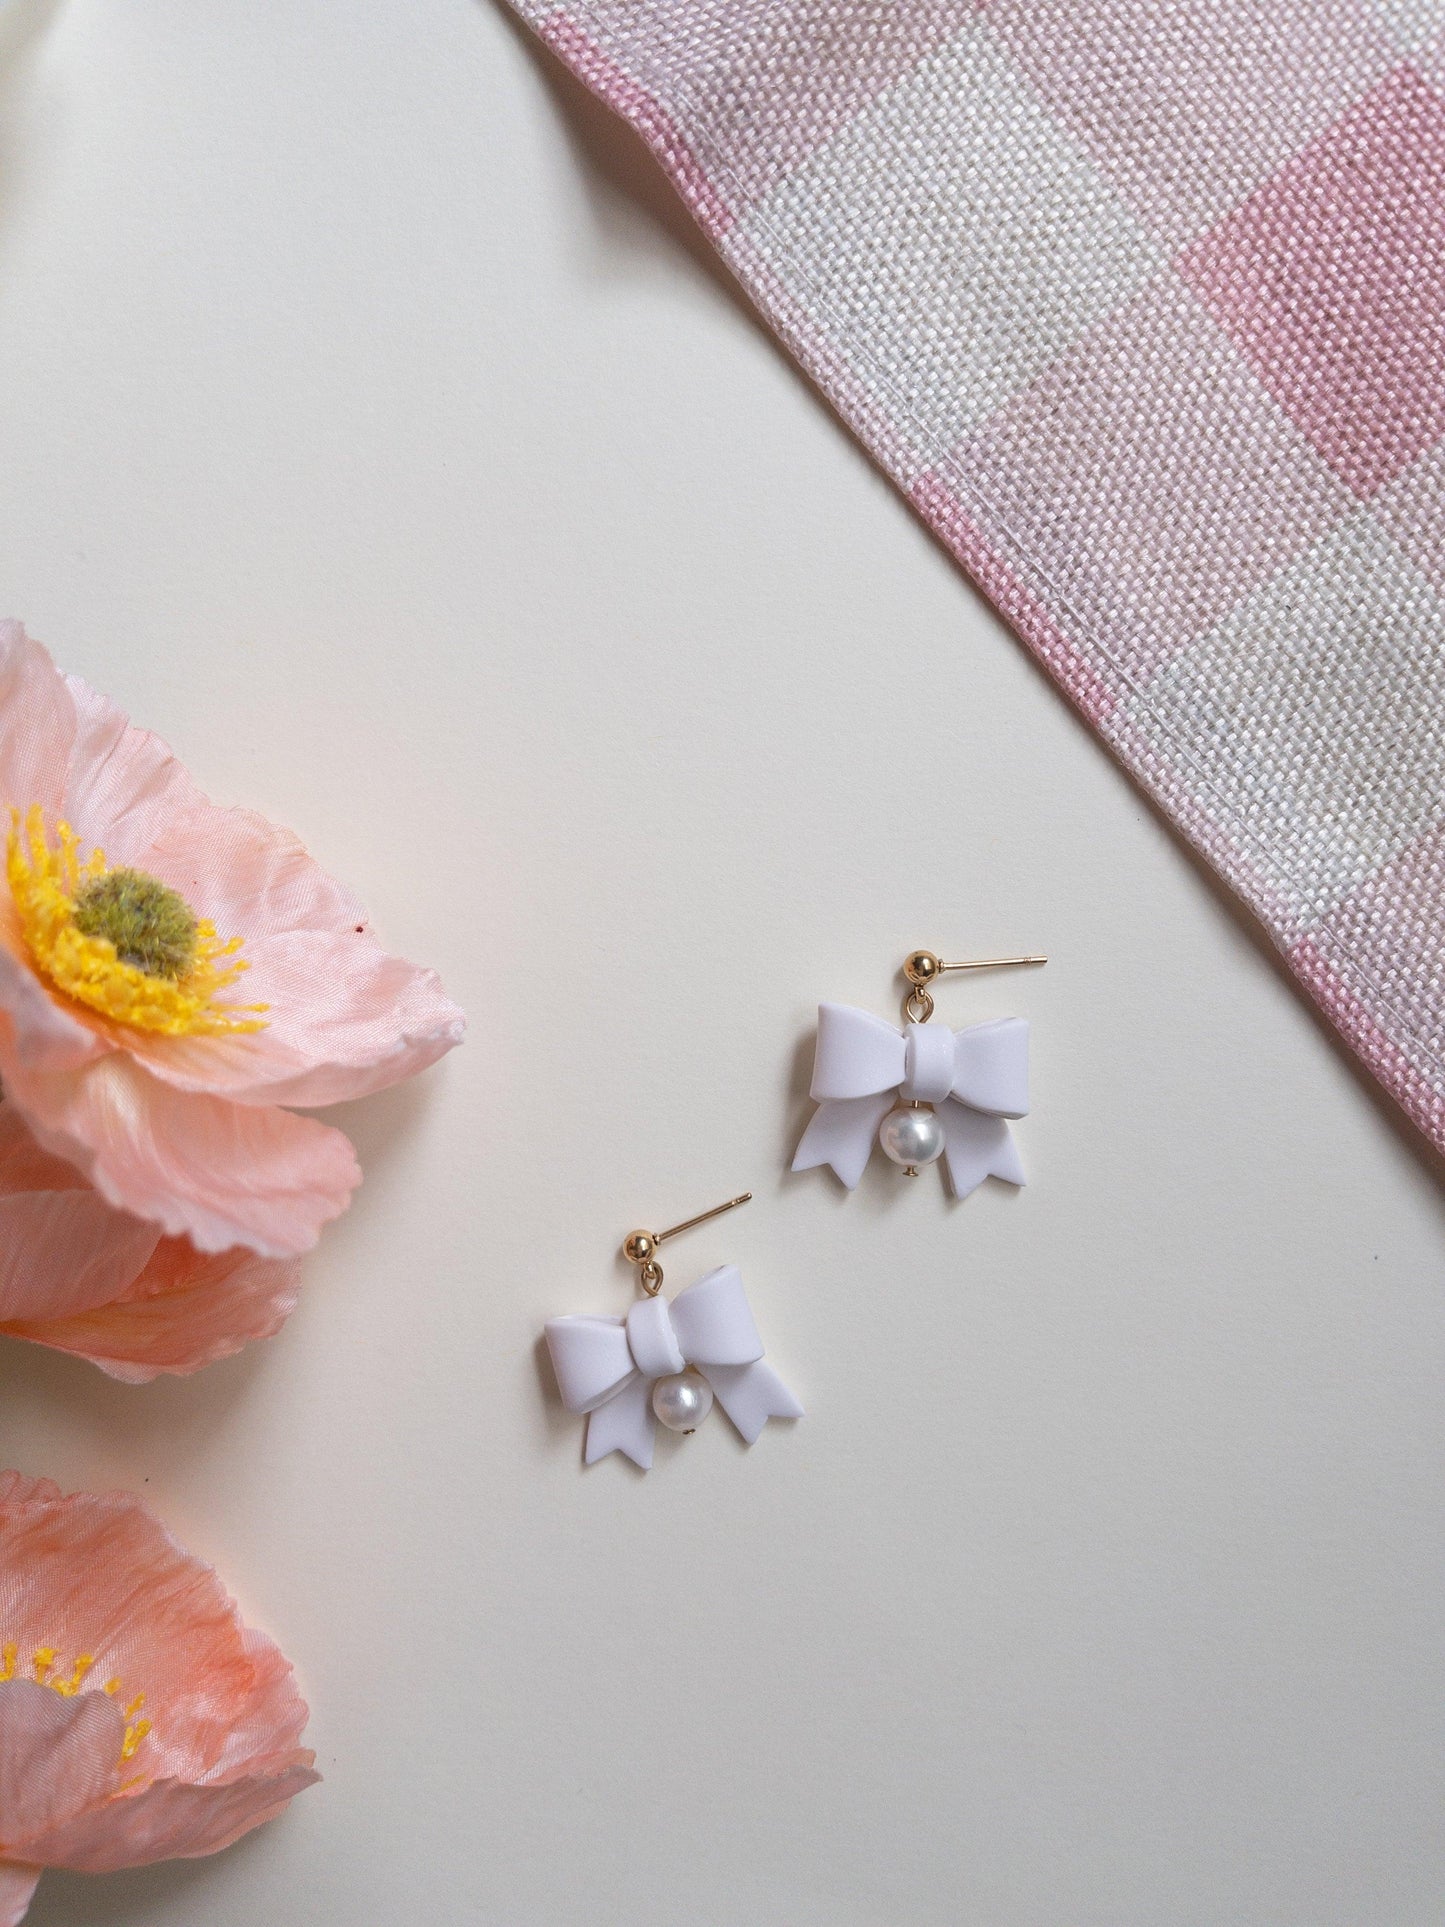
(639, 1248)
(921, 968)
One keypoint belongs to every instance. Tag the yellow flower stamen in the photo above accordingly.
(69, 1684)
(168, 967)
(68, 1689)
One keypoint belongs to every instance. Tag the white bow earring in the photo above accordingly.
(926, 1093)
(665, 1362)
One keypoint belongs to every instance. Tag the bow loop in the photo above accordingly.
(652, 1339)
(714, 1322)
(591, 1358)
(930, 1063)
(991, 1067)
(857, 1054)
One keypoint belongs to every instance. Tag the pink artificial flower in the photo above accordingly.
(139, 1719)
(80, 1276)
(129, 908)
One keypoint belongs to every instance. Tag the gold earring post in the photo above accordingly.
(993, 963)
(703, 1216)
(640, 1247)
(921, 966)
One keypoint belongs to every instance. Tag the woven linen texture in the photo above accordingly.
(1142, 305)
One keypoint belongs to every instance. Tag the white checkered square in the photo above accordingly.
(1410, 24)
(1311, 719)
(951, 242)
(1411, 511)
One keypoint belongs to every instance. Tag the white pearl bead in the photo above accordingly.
(911, 1137)
(682, 1402)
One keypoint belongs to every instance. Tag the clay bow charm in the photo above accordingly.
(666, 1361)
(865, 1068)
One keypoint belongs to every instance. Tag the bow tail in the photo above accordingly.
(977, 1147)
(750, 1395)
(624, 1424)
(840, 1133)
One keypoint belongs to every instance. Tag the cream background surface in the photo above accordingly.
(375, 429)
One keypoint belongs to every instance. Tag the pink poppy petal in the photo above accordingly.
(344, 1019)
(28, 1166)
(63, 1252)
(34, 1027)
(16, 1489)
(250, 877)
(17, 1890)
(37, 724)
(264, 1734)
(170, 1820)
(221, 1174)
(128, 793)
(123, 785)
(57, 1757)
(185, 1310)
(101, 1575)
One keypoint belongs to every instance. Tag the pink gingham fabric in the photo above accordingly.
(1142, 304)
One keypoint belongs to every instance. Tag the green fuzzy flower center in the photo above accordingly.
(153, 929)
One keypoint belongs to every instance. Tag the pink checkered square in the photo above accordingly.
(1149, 480)
(1188, 108)
(1331, 278)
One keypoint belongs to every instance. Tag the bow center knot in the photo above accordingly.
(928, 1063)
(652, 1340)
